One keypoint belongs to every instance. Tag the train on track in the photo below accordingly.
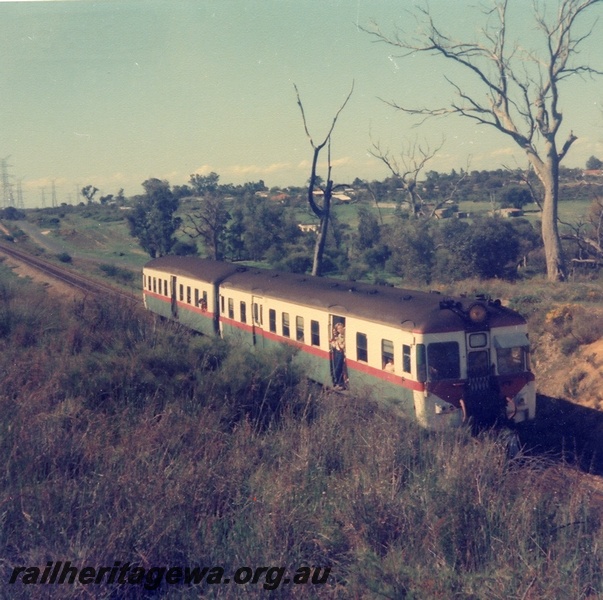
(441, 360)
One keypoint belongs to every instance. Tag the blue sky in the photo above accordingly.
(112, 92)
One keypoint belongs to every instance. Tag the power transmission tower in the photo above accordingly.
(20, 203)
(54, 194)
(7, 187)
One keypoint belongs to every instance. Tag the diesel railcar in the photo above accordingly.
(440, 360)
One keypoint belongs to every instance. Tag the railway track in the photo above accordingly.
(66, 276)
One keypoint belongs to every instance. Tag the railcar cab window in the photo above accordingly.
(478, 340)
(478, 363)
(512, 360)
(443, 361)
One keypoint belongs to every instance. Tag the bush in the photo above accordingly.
(64, 257)
(124, 275)
(185, 249)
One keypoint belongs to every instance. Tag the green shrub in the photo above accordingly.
(124, 275)
(64, 257)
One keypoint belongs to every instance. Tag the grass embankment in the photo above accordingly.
(126, 439)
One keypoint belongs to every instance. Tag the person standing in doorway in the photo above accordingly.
(338, 356)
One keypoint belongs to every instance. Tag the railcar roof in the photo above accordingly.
(212, 271)
(408, 309)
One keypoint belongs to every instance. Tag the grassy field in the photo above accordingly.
(108, 241)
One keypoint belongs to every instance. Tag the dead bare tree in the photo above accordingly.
(407, 168)
(322, 212)
(522, 95)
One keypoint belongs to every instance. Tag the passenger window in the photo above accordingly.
(165, 288)
(406, 363)
(181, 293)
(272, 320)
(387, 355)
(196, 297)
(154, 284)
(361, 347)
(286, 332)
(204, 301)
(230, 308)
(299, 329)
(243, 312)
(222, 311)
(188, 294)
(443, 361)
(315, 333)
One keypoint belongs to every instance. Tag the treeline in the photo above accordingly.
(254, 227)
(367, 238)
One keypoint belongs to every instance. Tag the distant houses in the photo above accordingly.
(308, 228)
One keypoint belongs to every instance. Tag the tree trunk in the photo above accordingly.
(548, 173)
(321, 241)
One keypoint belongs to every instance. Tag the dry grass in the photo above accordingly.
(127, 439)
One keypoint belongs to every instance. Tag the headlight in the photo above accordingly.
(477, 313)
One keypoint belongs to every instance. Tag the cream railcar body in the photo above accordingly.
(439, 360)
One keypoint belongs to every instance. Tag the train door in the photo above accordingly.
(174, 301)
(257, 311)
(478, 354)
(337, 354)
(482, 396)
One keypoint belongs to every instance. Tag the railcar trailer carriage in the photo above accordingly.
(440, 360)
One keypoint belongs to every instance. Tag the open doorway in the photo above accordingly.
(339, 372)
